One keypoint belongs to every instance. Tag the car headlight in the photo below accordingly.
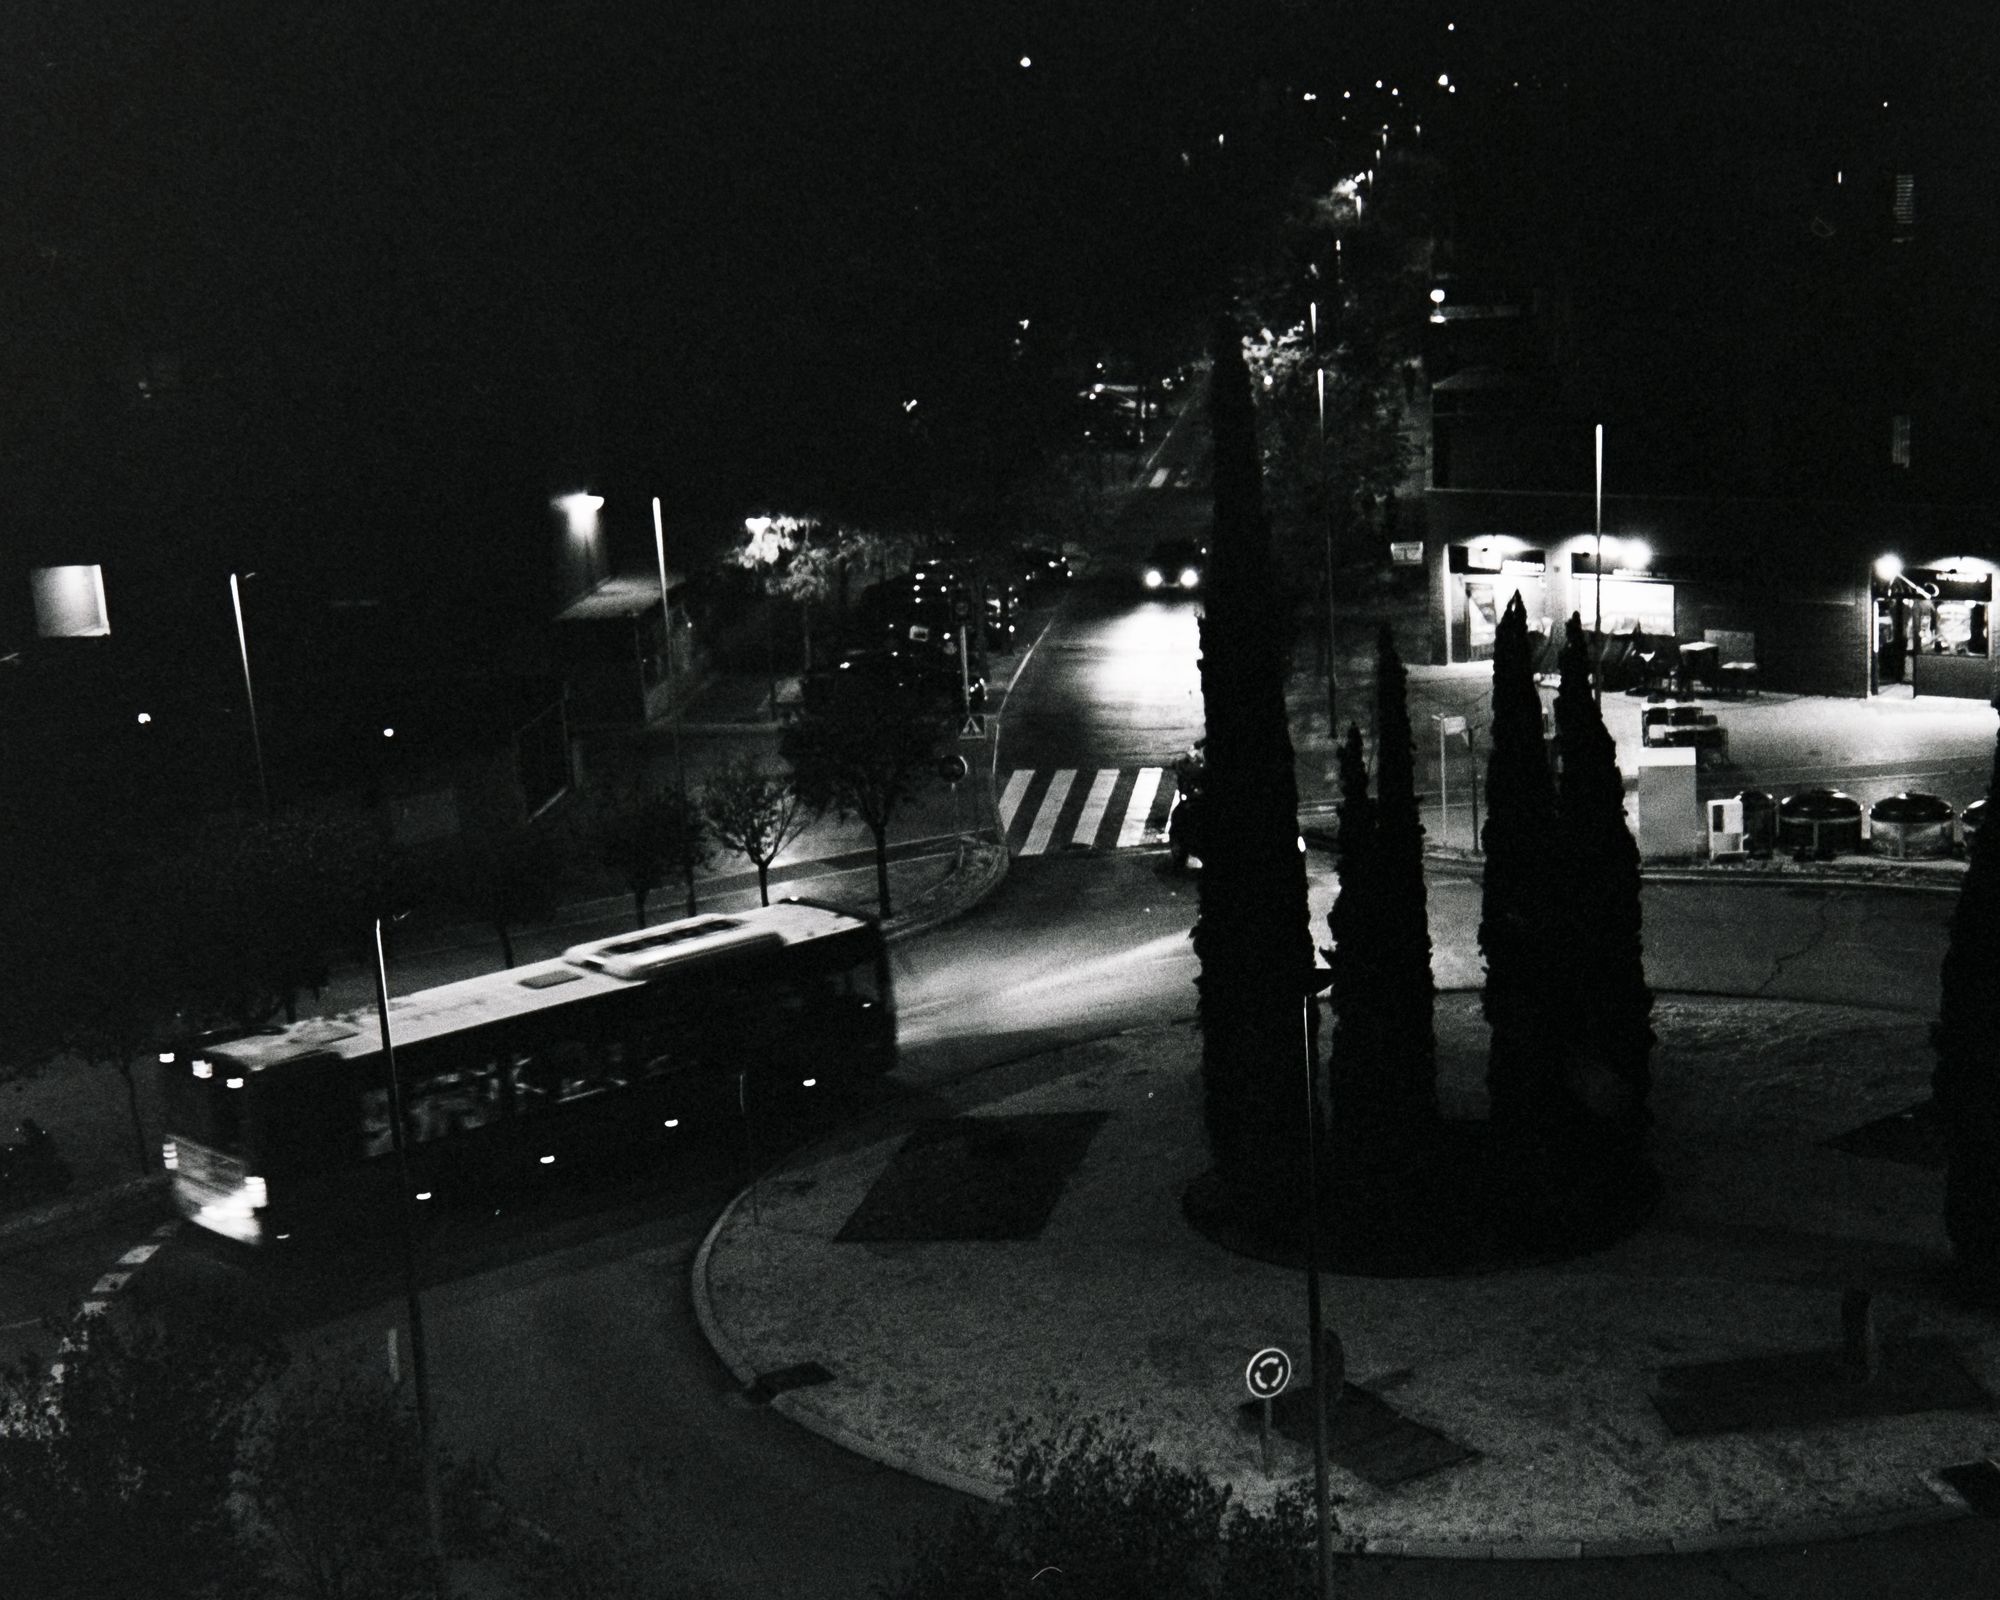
(1154, 578)
(1189, 577)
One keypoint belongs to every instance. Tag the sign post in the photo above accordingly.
(1269, 1371)
(1447, 726)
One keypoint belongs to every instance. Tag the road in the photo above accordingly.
(565, 1341)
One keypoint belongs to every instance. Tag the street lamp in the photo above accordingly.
(673, 693)
(249, 694)
(1597, 606)
(433, 1504)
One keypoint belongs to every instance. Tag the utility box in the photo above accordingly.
(1725, 830)
(1670, 815)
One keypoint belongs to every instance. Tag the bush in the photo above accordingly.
(1115, 1523)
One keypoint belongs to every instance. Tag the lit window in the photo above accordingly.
(1905, 208)
(1899, 441)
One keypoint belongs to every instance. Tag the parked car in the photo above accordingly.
(1037, 569)
(1175, 564)
(873, 672)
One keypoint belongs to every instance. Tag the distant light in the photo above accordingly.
(548, 1161)
(1636, 553)
(1378, 83)
(204, 1069)
(388, 733)
(1451, 27)
(1026, 62)
(1219, 138)
(1024, 322)
(1444, 80)
(166, 1058)
(1452, 90)
(233, 1083)
(1437, 297)
(581, 510)
(1347, 94)
(1302, 844)
(671, 1122)
(1310, 95)
(1888, 568)
(1097, 388)
(810, 1082)
(423, 1194)
(909, 406)
(145, 717)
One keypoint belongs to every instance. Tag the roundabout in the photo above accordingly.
(1680, 1389)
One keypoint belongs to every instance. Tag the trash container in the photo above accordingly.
(1760, 822)
(1819, 822)
(1907, 825)
(1969, 821)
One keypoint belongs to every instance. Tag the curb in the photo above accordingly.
(981, 867)
(59, 1217)
(784, 1403)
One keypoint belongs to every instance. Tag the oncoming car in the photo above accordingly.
(1175, 564)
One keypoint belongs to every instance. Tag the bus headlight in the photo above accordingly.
(170, 1155)
(1154, 578)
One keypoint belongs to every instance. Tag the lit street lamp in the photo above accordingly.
(249, 694)
(673, 690)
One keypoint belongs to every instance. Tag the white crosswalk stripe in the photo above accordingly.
(1012, 795)
(1119, 808)
(1045, 819)
(1133, 829)
(1093, 806)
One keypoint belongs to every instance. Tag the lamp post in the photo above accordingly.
(1327, 1365)
(1326, 490)
(433, 1504)
(1597, 606)
(249, 694)
(673, 694)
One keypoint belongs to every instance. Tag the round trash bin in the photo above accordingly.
(1970, 821)
(1905, 825)
(1760, 822)
(1821, 822)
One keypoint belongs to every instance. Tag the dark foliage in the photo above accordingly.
(863, 756)
(1113, 1523)
(1965, 1086)
(1253, 936)
(645, 836)
(504, 878)
(1609, 1013)
(116, 1478)
(1519, 927)
(1400, 926)
(754, 813)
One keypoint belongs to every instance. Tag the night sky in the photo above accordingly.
(391, 279)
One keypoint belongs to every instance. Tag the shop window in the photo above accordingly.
(1629, 604)
(1959, 629)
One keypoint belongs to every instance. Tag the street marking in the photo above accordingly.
(1045, 819)
(1133, 829)
(138, 1255)
(1094, 804)
(1012, 796)
(110, 1283)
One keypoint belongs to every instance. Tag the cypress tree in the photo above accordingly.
(1610, 1012)
(1360, 1024)
(1401, 905)
(1518, 926)
(1253, 934)
(1965, 1087)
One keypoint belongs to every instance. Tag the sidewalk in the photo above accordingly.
(1506, 1414)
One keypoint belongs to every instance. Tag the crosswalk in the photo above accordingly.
(1113, 808)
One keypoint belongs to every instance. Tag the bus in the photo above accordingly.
(612, 1054)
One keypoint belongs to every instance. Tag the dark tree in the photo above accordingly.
(504, 878)
(646, 836)
(1965, 1086)
(1610, 1012)
(1253, 935)
(118, 1480)
(754, 813)
(1400, 925)
(862, 754)
(1360, 1024)
(1519, 929)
